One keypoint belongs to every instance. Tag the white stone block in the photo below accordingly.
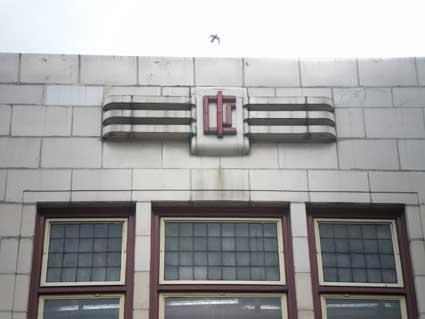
(298, 220)
(19, 181)
(412, 154)
(114, 70)
(301, 254)
(143, 256)
(19, 315)
(49, 68)
(420, 292)
(309, 92)
(290, 180)
(306, 314)
(162, 196)
(409, 97)
(411, 182)
(161, 179)
(132, 154)
(74, 95)
(219, 179)
(101, 179)
(9, 65)
(25, 256)
(178, 155)
(267, 197)
(28, 220)
(10, 219)
(8, 255)
(387, 72)
(71, 152)
(100, 196)
(220, 196)
(363, 97)
(138, 90)
(143, 218)
(413, 222)
(303, 291)
(271, 72)
(41, 121)
(165, 71)
(142, 314)
(328, 72)
(6, 296)
(394, 123)
(307, 155)
(417, 255)
(87, 121)
(19, 152)
(368, 154)
(6, 315)
(22, 287)
(260, 156)
(422, 217)
(175, 91)
(395, 198)
(349, 123)
(339, 197)
(261, 92)
(5, 113)
(3, 174)
(420, 67)
(338, 181)
(141, 286)
(21, 94)
(218, 72)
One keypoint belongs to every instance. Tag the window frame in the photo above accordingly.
(281, 251)
(42, 298)
(49, 221)
(283, 297)
(402, 300)
(362, 213)
(159, 289)
(57, 212)
(394, 239)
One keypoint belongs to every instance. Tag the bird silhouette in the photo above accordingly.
(214, 37)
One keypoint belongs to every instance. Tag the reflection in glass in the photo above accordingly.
(105, 308)
(363, 309)
(223, 308)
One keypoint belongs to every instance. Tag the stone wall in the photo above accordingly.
(51, 151)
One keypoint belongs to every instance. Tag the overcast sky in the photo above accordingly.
(261, 28)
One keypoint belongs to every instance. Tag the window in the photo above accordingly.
(360, 263)
(83, 264)
(210, 263)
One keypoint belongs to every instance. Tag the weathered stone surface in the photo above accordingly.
(49, 68)
(387, 72)
(9, 65)
(328, 72)
(165, 71)
(113, 70)
(271, 72)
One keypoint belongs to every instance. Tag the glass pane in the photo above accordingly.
(352, 252)
(222, 308)
(362, 309)
(76, 248)
(245, 248)
(107, 308)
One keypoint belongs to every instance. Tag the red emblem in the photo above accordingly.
(224, 126)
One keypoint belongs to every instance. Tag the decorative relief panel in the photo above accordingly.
(217, 121)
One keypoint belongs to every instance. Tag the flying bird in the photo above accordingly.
(214, 37)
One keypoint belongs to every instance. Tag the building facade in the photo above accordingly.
(143, 187)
